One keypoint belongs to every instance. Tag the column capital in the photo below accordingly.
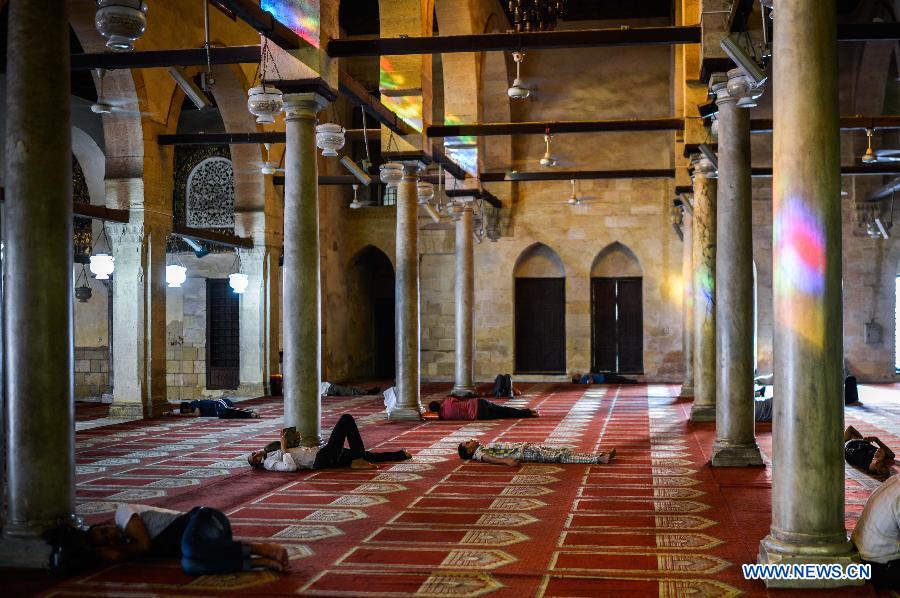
(718, 88)
(412, 168)
(703, 166)
(742, 89)
(303, 105)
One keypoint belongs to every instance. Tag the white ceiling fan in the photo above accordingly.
(105, 105)
(575, 200)
(882, 155)
(267, 167)
(518, 91)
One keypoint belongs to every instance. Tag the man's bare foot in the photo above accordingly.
(362, 464)
(267, 563)
(407, 454)
(534, 413)
(254, 415)
(606, 456)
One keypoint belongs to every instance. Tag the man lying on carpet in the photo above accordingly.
(877, 534)
(457, 408)
(222, 408)
(288, 456)
(605, 378)
(329, 389)
(867, 453)
(201, 538)
(513, 453)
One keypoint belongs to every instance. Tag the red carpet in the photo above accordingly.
(657, 521)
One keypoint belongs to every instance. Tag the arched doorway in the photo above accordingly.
(540, 312)
(617, 313)
(370, 342)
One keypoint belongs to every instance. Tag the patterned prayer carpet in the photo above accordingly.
(656, 521)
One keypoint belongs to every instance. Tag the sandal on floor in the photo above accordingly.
(606, 456)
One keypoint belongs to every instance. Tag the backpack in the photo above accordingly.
(851, 393)
(502, 386)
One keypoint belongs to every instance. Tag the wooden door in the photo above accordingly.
(540, 321)
(617, 325)
(223, 346)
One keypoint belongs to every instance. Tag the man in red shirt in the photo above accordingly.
(472, 409)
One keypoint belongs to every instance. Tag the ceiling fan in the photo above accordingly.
(267, 167)
(105, 105)
(518, 91)
(575, 200)
(882, 155)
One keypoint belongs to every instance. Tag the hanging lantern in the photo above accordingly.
(329, 139)
(83, 291)
(424, 192)
(391, 173)
(121, 22)
(102, 265)
(238, 282)
(175, 275)
(265, 102)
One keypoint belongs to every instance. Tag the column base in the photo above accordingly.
(687, 391)
(725, 454)
(137, 410)
(405, 414)
(463, 391)
(26, 552)
(773, 552)
(703, 413)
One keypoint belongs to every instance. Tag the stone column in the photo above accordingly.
(687, 305)
(465, 302)
(808, 464)
(735, 444)
(302, 282)
(258, 319)
(38, 314)
(704, 259)
(409, 405)
(139, 311)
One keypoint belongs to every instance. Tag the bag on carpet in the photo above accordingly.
(390, 399)
(851, 393)
(503, 386)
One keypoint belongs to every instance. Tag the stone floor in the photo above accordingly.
(657, 521)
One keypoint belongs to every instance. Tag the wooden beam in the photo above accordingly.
(539, 128)
(454, 169)
(360, 96)
(865, 32)
(847, 123)
(209, 236)
(740, 13)
(447, 44)
(563, 175)
(247, 138)
(148, 59)
(477, 194)
(263, 21)
(99, 212)
(890, 168)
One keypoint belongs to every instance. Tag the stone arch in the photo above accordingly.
(93, 164)
(616, 261)
(539, 261)
(370, 327)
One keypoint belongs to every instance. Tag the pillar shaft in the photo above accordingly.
(139, 312)
(687, 306)
(808, 465)
(38, 311)
(704, 259)
(258, 320)
(408, 405)
(465, 302)
(735, 444)
(302, 280)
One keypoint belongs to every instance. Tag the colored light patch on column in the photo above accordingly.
(467, 158)
(390, 77)
(408, 108)
(300, 16)
(799, 254)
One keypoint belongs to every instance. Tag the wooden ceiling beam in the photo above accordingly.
(148, 59)
(248, 138)
(581, 38)
(539, 128)
(251, 13)
(565, 175)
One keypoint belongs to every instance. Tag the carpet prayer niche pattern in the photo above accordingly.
(656, 521)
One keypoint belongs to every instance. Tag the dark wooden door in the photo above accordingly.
(540, 322)
(223, 336)
(617, 325)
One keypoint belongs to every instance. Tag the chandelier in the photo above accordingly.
(535, 15)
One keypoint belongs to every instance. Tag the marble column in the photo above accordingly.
(687, 305)
(465, 302)
(704, 282)
(302, 278)
(735, 444)
(807, 465)
(139, 308)
(38, 311)
(259, 319)
(409, 405)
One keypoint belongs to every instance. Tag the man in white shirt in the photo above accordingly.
(287, 456)
(877, 534)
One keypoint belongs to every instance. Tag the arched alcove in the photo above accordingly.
(540, 311)
(370, 326)
(617, 312)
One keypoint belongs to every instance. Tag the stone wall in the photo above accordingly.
(91, 372)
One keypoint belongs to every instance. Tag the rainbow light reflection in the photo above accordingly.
(300, 16)
(799, 256)
(389, 77)
(463, 149)
(408, 108)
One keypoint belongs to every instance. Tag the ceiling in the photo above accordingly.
(594, 10)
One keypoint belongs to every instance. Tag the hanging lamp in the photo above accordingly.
(265, 101)
(176, 273)
(83, 291)
(102, 263)
(121, 22)
(238, 281)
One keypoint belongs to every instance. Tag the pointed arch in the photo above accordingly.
(539, 261)
(616, 261)
(370, 327)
